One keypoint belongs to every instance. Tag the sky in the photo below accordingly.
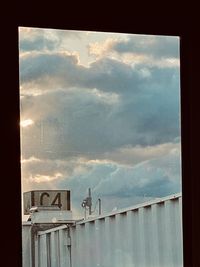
(100, 110)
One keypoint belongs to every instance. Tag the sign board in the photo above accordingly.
(47, 198)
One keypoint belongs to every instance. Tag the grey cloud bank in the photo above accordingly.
(159, 46)
(93, 121)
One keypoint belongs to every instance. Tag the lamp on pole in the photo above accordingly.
(87, 202)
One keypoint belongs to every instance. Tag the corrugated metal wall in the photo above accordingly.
(53, 248)
(26, 245)
(148, 235)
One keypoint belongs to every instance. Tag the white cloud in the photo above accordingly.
(107, 98)
(29, 160)
(158, 51)
(102, 49)
(133, 155)
(44, 178)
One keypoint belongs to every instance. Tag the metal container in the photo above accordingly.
(147, 235)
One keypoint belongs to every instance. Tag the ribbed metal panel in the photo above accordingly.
(52, 248)
(26, 242)
(148, 235)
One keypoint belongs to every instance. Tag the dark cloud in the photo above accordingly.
(78, 122)
(112, 75)
(105, 74)
(45, 68)
(38, 44)
(119, 186)
(143, 179)
(144, 112)
(61, 125)
(47, 71)
(158, 47)
(61, 70)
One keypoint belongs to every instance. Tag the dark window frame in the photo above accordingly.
(165, 24)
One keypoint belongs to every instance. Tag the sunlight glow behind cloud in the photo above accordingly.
(26, 123)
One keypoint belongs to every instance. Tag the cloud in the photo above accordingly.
(160, 51)
(67, 123)
(131, 156)
(39, 43)
(117, 184)
(101, 108)
(37, 39)
(154, 46)
(61, 70)
(102, 49)
(142, 179)
(40, 173)
(48, 69)
(120, 186)
(92, 122)
(45, 178)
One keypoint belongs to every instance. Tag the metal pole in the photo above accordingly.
(89, 201)
(69, 246)
(33, 242)
(99, 206)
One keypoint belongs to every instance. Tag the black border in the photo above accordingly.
(164, 19)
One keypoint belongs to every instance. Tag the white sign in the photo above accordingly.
(47, 198)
